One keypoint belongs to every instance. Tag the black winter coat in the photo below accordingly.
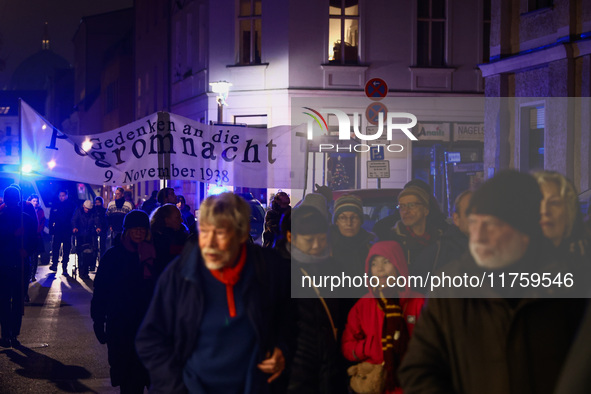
(450, 247)
(318, 365)
(86, 224)
(18, 232)
(492, 345)
(168, 244)
(412, 249)
(60, 218)
(272, 230)
(168, 335)
(100, 216)
(121, 298)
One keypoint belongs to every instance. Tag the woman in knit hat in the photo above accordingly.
(350, 242)
(123, 288)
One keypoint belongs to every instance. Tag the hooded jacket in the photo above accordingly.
(362, 338)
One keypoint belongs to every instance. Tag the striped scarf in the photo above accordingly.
(395, 338)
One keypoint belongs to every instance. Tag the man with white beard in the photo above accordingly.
(495, 339)
(219, 318)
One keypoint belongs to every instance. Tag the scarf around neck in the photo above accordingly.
(146, 253)
(422, 240)
(395, 337)
(230, 276)
(301, 257)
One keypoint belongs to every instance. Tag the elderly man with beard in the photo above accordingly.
(218, 320)
(498, 340)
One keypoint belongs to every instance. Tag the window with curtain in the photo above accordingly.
(343, 32)
(249, 27)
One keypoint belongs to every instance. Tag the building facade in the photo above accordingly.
(272, 52)
(540, 55)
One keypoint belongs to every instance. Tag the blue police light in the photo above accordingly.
(27, 168)
(215, 190)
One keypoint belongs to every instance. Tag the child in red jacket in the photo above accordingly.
(371, 337)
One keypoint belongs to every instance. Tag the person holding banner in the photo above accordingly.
(116, 211)
(100, 213)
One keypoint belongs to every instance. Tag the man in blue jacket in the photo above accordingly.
(218, 321)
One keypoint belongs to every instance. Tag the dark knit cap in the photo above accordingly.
(317, 201)
(348, 203)
(513, 197)
(136, 219)
(416, 191)
(306, 220)
(12, 195)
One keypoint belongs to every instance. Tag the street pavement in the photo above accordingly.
(59, 352)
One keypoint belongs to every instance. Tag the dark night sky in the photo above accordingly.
(21, 27)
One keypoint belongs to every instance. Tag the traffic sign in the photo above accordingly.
(376, 89)
(372, 112)
(376, 153)
(378, 169)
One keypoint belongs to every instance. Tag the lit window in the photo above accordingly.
(249, 21)
(431, 33)
(343, 32)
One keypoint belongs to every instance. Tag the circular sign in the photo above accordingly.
(372, 113)
(376, 89)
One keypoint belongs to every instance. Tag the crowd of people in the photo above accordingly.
(90, 228)
(186, 306)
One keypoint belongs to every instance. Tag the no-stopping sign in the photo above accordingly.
(376, 89)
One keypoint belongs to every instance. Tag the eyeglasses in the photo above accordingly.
(410, 205)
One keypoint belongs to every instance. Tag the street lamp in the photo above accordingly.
(221, 88)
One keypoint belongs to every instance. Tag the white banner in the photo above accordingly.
(159, 146)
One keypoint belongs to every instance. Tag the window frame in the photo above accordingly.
(523, 144)
(446, 39)
(253, 18)
(342, 17)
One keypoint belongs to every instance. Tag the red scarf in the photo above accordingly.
(230, 276)
(423, 240)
